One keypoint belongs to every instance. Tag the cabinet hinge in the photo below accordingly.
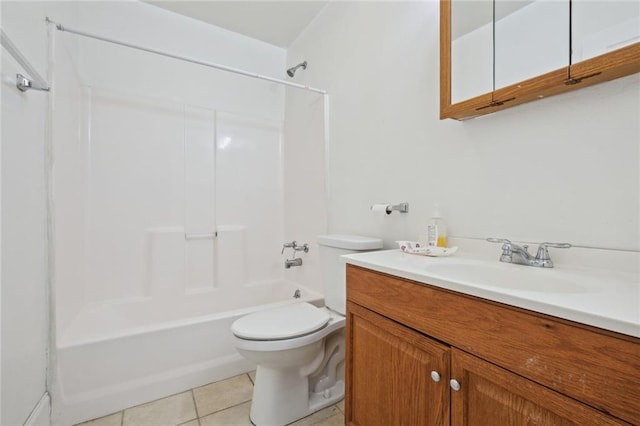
(570, 81)
(495, 104)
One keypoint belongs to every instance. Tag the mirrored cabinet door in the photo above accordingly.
(603, 26)
(496, 54)
(531, 39)
(471, 49)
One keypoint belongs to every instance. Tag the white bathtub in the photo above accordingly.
(119, 354)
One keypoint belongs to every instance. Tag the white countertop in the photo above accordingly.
(609, 299)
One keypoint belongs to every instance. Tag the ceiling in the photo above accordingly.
(274, 22)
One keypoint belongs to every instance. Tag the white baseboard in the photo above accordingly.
(40, 416)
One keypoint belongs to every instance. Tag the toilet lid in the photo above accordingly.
(281, 323)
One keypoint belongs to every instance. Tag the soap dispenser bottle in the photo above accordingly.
(436, 230)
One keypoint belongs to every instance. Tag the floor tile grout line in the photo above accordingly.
(226, 408)
(195, 405)
(250, 379)
(122, 412)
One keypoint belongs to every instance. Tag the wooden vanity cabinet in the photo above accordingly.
(492, 395)
(388, 384)
(513, 367)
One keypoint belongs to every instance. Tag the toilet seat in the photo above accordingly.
(287, 322)
(336, 322)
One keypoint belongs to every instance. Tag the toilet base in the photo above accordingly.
(282, 397)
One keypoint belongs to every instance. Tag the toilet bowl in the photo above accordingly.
(286, 388)
(299, 349)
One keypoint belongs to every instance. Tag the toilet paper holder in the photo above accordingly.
(402, 207)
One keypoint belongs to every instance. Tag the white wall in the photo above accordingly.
(559, 169)
(24, 296)
(25, 302)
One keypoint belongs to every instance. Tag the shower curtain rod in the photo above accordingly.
(23, 83)
(60, 27)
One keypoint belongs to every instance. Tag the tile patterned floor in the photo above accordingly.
(224, 403)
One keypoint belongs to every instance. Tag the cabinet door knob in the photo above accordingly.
(435, 376)
(454, 385)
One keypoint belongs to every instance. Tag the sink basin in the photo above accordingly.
(511, 277)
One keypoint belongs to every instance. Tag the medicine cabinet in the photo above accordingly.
(495, 54)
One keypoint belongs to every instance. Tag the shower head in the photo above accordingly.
(291, 71)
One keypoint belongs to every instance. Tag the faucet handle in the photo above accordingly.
(543, 258)
(292, 244)
(506, 246)
(498, 240)
(556, 245)
(543, 253)
(304, 248)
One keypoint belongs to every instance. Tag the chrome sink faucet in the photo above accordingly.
(513, 253)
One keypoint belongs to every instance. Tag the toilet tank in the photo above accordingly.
(333, 268)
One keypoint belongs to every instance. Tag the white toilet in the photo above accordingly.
(299, 349)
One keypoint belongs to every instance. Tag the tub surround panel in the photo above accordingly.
(152, 130)
(232, 261)
(199, 167)
(249, 189)
(201, 264)
(305, 182)
(162, 178)
(68, 193)
(166, 262)
(136, 181)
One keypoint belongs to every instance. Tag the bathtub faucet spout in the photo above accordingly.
(288, 263)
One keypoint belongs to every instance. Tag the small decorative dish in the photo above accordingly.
(414, 247)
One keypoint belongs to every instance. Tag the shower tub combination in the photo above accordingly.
(168, 221)
(116, 355)
(145, 291)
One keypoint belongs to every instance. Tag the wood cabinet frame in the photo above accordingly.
(609, 66)
(598, 368)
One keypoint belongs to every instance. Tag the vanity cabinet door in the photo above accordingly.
(490, 395)
(388, 375)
